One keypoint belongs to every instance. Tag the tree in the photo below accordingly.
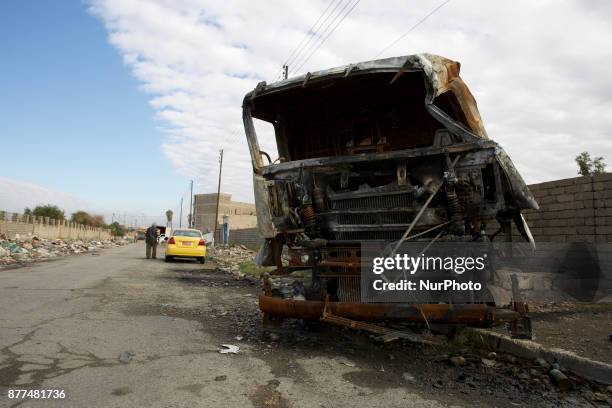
(97, 220)
(80, 217)
(116, 229)
(83, 217)
(588, 166)
(48, 210)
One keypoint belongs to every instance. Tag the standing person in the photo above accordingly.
(151, 240)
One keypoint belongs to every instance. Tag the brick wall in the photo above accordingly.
(573, 210)
(248, 237)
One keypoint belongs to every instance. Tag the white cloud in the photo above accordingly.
(539, 70)
(15, 195)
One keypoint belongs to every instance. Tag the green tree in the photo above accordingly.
(48, 210)
(588, 166)
(116, 229)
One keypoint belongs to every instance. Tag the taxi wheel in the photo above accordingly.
(168, 258)
(202, 259)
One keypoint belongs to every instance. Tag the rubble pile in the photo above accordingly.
(229, 257)
(28, 249)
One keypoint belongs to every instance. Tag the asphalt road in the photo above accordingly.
(117, 330)
(95, 326)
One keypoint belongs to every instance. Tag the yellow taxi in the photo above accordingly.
(186, 243)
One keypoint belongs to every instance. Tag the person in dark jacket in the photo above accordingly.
(151, 241)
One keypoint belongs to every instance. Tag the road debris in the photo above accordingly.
(126, 357)
(229, 257)
(20, 250)
(488, 362)
(229, 348)
(560, 379)
(457, 361)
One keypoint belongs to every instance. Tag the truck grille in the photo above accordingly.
(395, 217)
(394, 200)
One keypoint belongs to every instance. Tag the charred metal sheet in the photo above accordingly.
(470, 314)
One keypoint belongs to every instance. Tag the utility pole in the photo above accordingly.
(218, 193)
(285, 71)
(181, 214)
(191, 205)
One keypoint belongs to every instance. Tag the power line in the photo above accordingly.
(331, 32)
(335, 15)
(418, 23)
(310, 33)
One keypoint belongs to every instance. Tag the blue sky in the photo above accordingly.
(73, 119)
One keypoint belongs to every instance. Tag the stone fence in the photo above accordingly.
(577, 209)
(13, 224)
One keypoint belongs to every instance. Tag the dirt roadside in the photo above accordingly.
(452, 374)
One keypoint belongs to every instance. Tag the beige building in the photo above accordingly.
(241, 215)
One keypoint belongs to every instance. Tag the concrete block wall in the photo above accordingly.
(13, 224)
(577, 209)
(248, 237)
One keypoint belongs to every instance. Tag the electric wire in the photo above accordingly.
(331, 32)
(309, 35)
(418, 23)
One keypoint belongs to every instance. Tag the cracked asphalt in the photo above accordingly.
(117, 330)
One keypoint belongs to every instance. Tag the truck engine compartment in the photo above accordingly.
(380, 151)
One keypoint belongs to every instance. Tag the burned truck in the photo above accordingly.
(386, 150)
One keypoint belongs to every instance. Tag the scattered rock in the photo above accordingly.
(488, 362)
(408, 377)
(274, 336)
(32, 248)
(229, 257)
(510, 358)
(229, 348)
(457, 361)
(221, 378)
(599, 397)
(126, 357)
(492, 355)
(560, 379)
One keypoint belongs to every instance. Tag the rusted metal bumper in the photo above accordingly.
(477, 315)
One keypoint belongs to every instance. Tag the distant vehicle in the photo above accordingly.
(186, 243)
(140, 235)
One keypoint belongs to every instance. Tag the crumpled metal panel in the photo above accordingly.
(520, 191)
(262, 206)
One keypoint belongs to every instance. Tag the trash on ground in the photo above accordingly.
(229, 348)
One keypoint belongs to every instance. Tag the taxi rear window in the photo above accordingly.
(187, 233)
